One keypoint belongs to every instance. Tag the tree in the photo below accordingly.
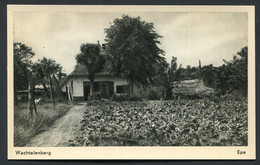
(22, 62)
(199, 70)
(179, 74)
(209, 75)
(132, 45)
(188, 72)
(91, 57)
(44, 68)
(173, 69)
(162, 78)
(233, 75)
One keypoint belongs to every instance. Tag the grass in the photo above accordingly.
(25, 130)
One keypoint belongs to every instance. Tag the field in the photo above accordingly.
(202, 122)
(25, 130)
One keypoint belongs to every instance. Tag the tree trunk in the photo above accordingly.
(51, 92)
(91, 86)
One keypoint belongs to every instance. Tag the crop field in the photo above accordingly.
(202, 122)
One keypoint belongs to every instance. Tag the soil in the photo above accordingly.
(63, 129)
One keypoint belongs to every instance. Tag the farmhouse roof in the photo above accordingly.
(191, 87)
(82, 70)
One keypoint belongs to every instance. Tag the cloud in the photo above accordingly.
(209, 37)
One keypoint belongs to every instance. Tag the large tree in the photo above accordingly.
(233, 75)
(132, 45)
(22, 63)
(90, 56)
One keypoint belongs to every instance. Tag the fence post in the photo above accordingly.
(52, 94)
(30, 95)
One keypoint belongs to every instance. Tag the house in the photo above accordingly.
(77, 84)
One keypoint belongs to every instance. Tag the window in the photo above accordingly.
(119, 89)
(96, 88)
(123, 89)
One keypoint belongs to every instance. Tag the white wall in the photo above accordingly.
(78, 83)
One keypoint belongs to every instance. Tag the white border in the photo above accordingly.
(137, 152)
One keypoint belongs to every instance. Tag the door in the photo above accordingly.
(86, 90)
(111, 88)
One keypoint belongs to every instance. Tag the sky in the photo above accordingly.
(208, 37)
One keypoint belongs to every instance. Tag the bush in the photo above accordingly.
(95, 96)
(151, 93)
(120, 97)
(125, 97)
(230, 76)
(135, 98)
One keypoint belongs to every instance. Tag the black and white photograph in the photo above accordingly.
(130, 77)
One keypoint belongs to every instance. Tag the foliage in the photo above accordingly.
(167, 123)
(233, 75)
(230, 76)
(188, 73)
(162, 81)
(209, 75)
(173, 69)
(22, 63)
(95, 96)
(179, 73)
(90, 56)
(151, 93)
(24, 131)
(45, 67)
(125, 97)
(132, 45)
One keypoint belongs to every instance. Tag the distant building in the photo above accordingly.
(191, 88)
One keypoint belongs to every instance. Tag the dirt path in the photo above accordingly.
(62, 130)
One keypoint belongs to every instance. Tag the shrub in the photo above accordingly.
(151, 93)
(135, 98)
(120, 97)
(232, 75)
(95, 96)
(125, 97)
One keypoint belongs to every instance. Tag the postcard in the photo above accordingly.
(131, 82)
